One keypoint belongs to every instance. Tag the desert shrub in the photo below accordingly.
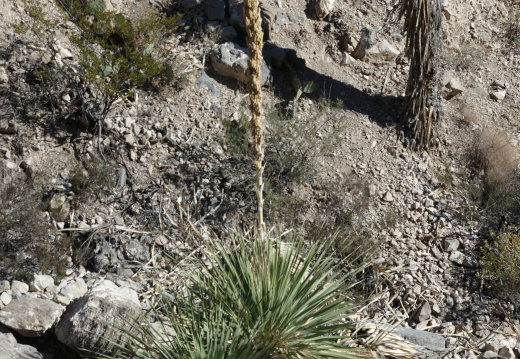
(256, 299)
(294, 144)
(513, 26)
(90, 178)
(496, 156)
(26, 246)
(501, 262)
(115, 55)
(468, 58)
(236, 137)
(495, 191)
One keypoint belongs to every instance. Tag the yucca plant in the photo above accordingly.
(258, 299)
(423, 26)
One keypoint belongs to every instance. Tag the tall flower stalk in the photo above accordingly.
(254, 51)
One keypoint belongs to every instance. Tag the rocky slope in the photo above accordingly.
(173, 169)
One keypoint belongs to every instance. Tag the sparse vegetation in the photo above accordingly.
(294, 145)
(89, 180)
(236, 137)
(115, 55)
(501, 262)
(25, 244)
(492, 194)
(513, 31)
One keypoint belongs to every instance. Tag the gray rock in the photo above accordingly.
(488, 355)
(40, 282)
(75, 289)
(61, 299)
(5, 298)
(456, 257)
(19, 286)
(453, 87)
(367, 40)
(215, 9)
(498, 95)
(388, 197)
(227, 34)
(283, 18)
(424, 339)
(94, 321)
(30, 317)
(230, 60)
(424, 312)
(189, 4)
(380, 53)
(206, 82)
(10, 349)
(451, 245)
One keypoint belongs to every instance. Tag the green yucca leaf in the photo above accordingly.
(259, 299)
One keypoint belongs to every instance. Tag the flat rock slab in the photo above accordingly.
(422, 338)
(10, 349)
(31, 317)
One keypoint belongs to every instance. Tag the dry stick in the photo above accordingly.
(254, 51)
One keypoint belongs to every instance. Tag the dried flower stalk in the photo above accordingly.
(254, 51)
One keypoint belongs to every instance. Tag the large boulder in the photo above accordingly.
(94, 322)
(230, 60)
(30, 317)
(10, 349)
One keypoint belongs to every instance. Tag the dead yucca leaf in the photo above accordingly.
(496, 156)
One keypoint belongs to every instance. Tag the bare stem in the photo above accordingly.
(254, 51)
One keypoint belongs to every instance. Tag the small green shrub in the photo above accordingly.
(501, 262)
(236, 137)
(115, 54)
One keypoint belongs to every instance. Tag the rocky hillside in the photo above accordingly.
(76, 229)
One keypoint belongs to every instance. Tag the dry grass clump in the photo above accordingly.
(496, 156)
(469, 113)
